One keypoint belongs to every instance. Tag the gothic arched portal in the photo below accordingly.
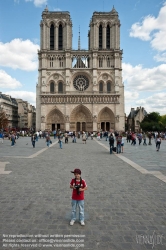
(55, 120)
(81, 119)
(106, 119)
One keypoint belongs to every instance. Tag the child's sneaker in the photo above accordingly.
(82, 223)
(72, 222)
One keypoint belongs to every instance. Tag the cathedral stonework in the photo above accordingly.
(80, 89)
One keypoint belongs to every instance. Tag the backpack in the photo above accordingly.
(111, 139)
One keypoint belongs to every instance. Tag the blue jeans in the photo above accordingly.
(13, 141)
(36, 138)
(60, 144)
(118, 148)
(80, 204)
(48, 143)
(111, 148)
(54, 136)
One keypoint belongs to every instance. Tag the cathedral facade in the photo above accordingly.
(80, 90)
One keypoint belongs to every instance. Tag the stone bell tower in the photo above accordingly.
(80, 89)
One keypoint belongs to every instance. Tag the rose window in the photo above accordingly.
(81, 83)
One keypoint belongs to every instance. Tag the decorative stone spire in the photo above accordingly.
(113, 11)
(46, 9)
(79, 40)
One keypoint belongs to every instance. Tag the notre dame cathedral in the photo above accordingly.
(80, 90)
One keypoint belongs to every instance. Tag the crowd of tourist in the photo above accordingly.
(116, 139)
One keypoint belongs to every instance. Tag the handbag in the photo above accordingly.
(114, 149)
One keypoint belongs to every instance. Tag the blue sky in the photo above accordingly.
(143, 40)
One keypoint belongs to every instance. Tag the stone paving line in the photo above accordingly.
(122, 205)
(24, 142)
(140, 156)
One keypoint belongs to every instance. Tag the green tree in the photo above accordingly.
(163, 121)
(151, 122)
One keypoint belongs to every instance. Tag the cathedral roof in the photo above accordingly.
(80, 64)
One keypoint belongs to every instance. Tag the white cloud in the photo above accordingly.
(160, 57)
(143, 30)
(37, 3)
(130, 96)
(144, 79)
(24, 95)
(19, 54)
(152, 29)
(154, 103)
(6, 81)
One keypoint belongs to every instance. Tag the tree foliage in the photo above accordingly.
(163, 120)
(154, 122)
(3, 120)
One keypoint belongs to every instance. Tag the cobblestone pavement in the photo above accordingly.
(146, 156)
(123, 207)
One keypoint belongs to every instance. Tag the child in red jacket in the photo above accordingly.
(79, 186)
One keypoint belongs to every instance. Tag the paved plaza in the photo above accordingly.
(125, 204)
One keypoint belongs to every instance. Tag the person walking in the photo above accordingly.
(98, 136)
(1, 137)
(139, 138)
(122, 145)
(133, 139)
(66, 137)
(106, 135)
(74, 137)
(111, 142)
(33, 140)
(40, 134)
(119, 141)
(158, 142)
(48, 140)
(150, 138)
(128, 137)
(37, 135)
(12, 139)
(144, 138)
(54, 133)
(79, 186)
(60, 141)
(84, 137)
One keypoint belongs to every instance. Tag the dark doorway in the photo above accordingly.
(58, 126)
(107, 126)
(84, 126)
(53, 127)
(103, 126)
(78, 126)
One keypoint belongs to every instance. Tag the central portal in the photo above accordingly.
(81, 119)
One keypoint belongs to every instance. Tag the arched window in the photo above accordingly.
(108, 37)
(52, 37)
(60, 37)
(100, 62)
(108, 87)
(60, 87)
(100, 37)
(100, 87)
(51, 62)
(52, 87)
